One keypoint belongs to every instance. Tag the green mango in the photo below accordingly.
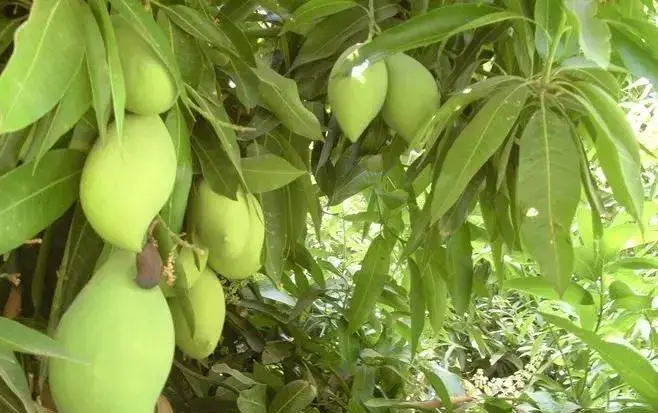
(356, 99)
(207, 303)
(150, 88)
(125, 183)
(125, 335)
(412, 96)
(232, 230)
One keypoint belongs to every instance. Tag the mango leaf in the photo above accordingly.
(142, 21)
(215, 163)
(593, 33)
(253, 400)
(280, 96)
(634, 369)
(7, 29)
(637, 56)
(425, 29)
(329, 36)
(540, 287)
(29, 202)
(435, 290)
(13, 376)
(185, 48)
(547, 194)
(117, 81)
(268, 172)
(293, 397)
(238, 38)
(17, 337)
(440, 388)
(9, 148)
(83, 247)
(616, 146)
(97, 68)
(460, 265)
(304, 258)
(311, 12)
(477, 142)
(199, 27)
(274, 204)
(363, 386)
(548, 15)
(246, 82)
(416, 304)
(48, 50)
(369, 281)
(68, 112)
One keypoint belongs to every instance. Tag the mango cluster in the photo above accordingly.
(399, 87)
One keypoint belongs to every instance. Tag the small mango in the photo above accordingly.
(124, 184)
(232, 230)
(412, 95)
(206, 299)
(150, 88)
(356, 99)
(125, 335)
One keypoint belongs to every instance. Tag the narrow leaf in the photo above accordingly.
(311, 12)
(548, 194)
(48, 51)
(7, 29)
(460, 266)
(637, 56)
(185, 48)
(268, 172)
(363, 386)
(540, 287)
(593, 33)
(416, 305)
(435, 289)
(370, 281)
(13, 376)
(194, 23)
(29, 202)
(477, 142)
(17, 337)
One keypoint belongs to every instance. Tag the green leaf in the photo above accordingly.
(369, 281)
(199, 27)
(304, 258)
(68, 112)
(246, 82)
(310, 13)
(117, 81)
(435, 289)
(13, 376)
(253, 400)
(416, 304)
(185, 48)
(293, 397)
(548, 194)
(17, 337)
(274, 204)
(280, 96)
(97, 69)
(539, 287)
(268, 172)
(83, 247)
(142, 21)
(238, 38)
(634, 369)
(460, 265)
(10, 145)
(637, 56)
(593, 34)
(363, 386)
(440, 388)
(616, 146)
(7, 29)
(215, 164)
(329, 36)
(48, 51)
(29, 202)
(477, 142)
(426, 29)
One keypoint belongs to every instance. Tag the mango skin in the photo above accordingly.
(124, 185)
(125, 332)
(356, 99)
(412, 95)
(209, 307)
(233, 231)
(150, 88)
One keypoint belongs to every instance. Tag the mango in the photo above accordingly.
(150, 88)
(357, 98)
(412, 95)
(191, 270)
(207, 303)
(124, 184)
(124, 334)
(233, 231)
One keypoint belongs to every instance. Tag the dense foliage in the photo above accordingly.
(496, 254)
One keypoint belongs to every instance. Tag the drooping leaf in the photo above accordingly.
(440, 388)
(237, 37)
(13, 376)
(17, 337)
(460, 266)
(416, 304)
(593, 33)
(29, 202)
(370, 281)
(475, 144)
(540, 287)
(616, 146)
(268, 172)
(185, 48)
(215, 163)
(48, 50)
(548, 194)
(10, 145)
(253, 400)
(311, 12)
(637, 56)
(280, 96)
(293, 397)
(435, 289)
(633, 368)
(304, 258)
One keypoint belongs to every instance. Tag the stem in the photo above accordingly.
(551, 54)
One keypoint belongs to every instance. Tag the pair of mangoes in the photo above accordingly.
(127, 179)
(399, 87)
